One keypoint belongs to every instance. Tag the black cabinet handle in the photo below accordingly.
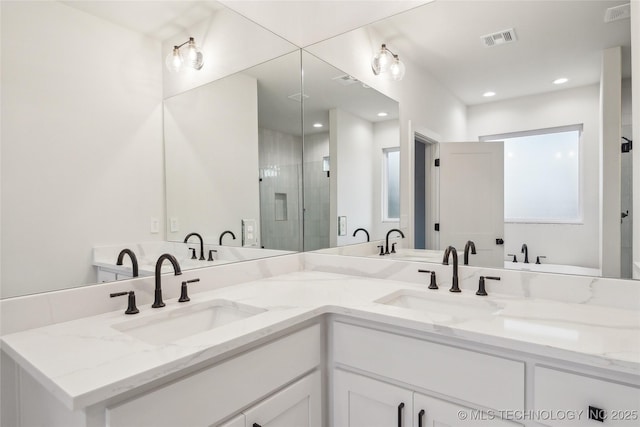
(400, 408)
(256, 425)
(420, 415)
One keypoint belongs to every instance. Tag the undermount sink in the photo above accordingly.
(454, 305)
(183, 322)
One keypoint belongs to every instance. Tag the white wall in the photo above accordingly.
(385, 135)
(626, 185)
(351, 147)
(229, 43)
(610, 133)
(212, 158)
(425, 104)
(561, 243)
(81, 143)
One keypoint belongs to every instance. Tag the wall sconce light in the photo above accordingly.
(193, 58)
(387, 63)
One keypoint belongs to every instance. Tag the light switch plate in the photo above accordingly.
(249, 232)
(342, 226)
(174, 224)
(154, 225)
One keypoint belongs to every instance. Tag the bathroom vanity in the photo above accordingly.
(329, 343)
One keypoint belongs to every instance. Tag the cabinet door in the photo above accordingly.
(237, 421)
(299, 404)
(360, 401)
(432, 412)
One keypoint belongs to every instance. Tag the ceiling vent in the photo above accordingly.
(617, 13)
(501, 37)
(345, 80)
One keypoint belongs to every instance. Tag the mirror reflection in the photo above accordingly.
(351, 158)
(233, 160)
(83, 169)
(510, 90)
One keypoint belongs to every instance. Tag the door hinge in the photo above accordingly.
(437, 162)
(436, 226)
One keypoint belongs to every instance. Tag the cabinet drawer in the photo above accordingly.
(558, 393)
(485, 380)
(212, 394)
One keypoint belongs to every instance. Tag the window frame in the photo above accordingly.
(385, 184)
(579, 219)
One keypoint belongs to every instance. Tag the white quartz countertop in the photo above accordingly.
(88, 360)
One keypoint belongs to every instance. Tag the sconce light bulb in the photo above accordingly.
(174, 60)
(397, 69)
(194, 56)
(381, 61)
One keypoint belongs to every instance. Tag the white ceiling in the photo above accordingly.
(304, 22)
(555, 38)
(155, 18)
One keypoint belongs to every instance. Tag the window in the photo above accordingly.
(542, 175)
(391, 184)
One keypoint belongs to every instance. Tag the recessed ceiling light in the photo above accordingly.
(317, 125)
(382, 114)
(489, 94)
(560, 81)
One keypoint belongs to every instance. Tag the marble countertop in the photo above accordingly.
(86, 361)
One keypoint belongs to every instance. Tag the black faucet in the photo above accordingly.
(482, 291)
(134, 260)
(365, 232)
(445, 261)
(525, 251)
(222, 235)
(386, 246)
(469, 245)
(201, 243)
(176, 269)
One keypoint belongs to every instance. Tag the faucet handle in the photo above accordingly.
(381, 250)
(538, 258)
(393, 248)
(481, 289)
(183, 290)
(193, 253)
(432, 284)
(515, 259)
(131, 307)
(211, 251)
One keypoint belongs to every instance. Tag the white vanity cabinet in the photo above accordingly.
(429, 411)
(277, 381)
(237, 421)
(222, 390)
(593, 401)
(360, 400)
(299, 405)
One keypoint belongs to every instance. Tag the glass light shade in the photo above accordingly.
(397, 69)
(381, 61)
(174, 60)
(194, 58)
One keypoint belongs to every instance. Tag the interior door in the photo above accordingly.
(472, 199)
